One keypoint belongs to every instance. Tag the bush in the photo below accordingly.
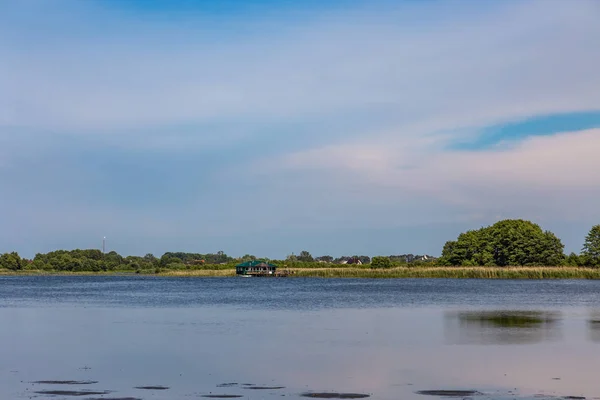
(381, 262)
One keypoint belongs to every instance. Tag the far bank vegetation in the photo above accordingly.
(507, 249)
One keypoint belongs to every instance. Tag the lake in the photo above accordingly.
(185, 338)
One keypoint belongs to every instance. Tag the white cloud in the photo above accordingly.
(552, 176)
(487, 65)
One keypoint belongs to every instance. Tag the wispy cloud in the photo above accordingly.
(337, 117)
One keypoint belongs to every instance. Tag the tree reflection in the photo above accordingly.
(501, 327)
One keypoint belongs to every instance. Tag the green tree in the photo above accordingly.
(470, 248)
(573, 260)
(591, 247)
(305, 256)
(113, 260)
(381, 262)
(508, 242)
(150, 259)
(11, 261)
(168, 258)
(326, 259)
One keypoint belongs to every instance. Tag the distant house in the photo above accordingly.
(255, 268)
(352, 260)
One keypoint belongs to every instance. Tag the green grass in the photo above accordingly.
(365, 272)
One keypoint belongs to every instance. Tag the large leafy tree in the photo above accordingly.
(591, 246)
(508, 242)
(11, 261)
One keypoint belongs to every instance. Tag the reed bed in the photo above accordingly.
(455, 272)
(199, 272)
(362, 272)
(418, 272)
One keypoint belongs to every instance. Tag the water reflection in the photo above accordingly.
(594, 326)
(313, 337)
(501, 327)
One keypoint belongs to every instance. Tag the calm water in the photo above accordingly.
(386, 338)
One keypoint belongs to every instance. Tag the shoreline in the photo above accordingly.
(352, 272)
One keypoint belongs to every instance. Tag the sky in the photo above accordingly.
(270, 127)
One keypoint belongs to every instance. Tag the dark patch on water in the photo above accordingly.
(328, 395)
(73, 392)
(265, 387)
(449, 393)
(229, 384)
(222, 396)
(152, 387)
(574, 397)
(113, 398)
(65, 382)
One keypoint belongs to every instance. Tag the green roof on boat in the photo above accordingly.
(256, 263)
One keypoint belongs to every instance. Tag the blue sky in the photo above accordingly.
(270, 127)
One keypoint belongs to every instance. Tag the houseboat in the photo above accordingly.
(258, 268)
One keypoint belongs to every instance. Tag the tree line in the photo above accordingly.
(96, 261)
(93, 260)
(505, 243)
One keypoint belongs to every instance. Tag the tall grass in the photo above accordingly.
(455, 272)
(421, 272)
(365, 272)
(199, 272)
